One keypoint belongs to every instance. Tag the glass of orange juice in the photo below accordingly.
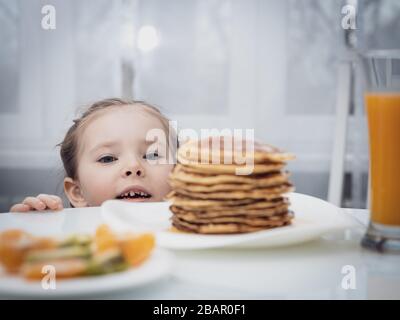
(381, 72)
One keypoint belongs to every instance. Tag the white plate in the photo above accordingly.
(155, 268)
(313, 218)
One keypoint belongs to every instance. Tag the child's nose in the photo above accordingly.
(133, 168)
(138, 172)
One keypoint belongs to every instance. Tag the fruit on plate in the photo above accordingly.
(137, 248)
(74, 256)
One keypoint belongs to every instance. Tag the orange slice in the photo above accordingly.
(105, 239)
(137, 249)
(14, 245)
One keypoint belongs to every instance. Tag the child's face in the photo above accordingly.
(113, 153)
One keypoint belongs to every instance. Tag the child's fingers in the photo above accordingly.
(19, 207)
(34, 203)
(58, 200)
(50, 203)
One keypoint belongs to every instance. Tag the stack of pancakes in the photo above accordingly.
(214, 194)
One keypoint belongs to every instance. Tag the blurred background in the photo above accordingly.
(270, 65)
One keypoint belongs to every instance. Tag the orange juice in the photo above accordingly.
(383, 110)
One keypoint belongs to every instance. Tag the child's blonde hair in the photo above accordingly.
(69, 146)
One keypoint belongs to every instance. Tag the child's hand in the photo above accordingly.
(40, 203)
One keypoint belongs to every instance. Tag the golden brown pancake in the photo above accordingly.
(193, 187)
(230, 150)
(179, 175)
(259, 193)
(253, 221)
(226, 228)
(232, 205)
(233, 169)
(212, 196)
(232, 211)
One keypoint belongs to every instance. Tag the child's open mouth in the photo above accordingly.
(134, 194)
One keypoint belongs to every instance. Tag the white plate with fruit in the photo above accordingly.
(78, 266)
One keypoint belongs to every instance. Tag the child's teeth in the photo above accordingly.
(134, 194)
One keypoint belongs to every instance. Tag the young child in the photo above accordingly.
(106, 155)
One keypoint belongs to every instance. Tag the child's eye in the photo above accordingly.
(107, 159)
(151, 155)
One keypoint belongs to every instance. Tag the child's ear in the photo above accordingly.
(74, 193)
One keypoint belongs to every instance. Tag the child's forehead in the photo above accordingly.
(132, 113)
(121, 123)
(124, 117)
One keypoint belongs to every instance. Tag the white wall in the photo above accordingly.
(219, 64)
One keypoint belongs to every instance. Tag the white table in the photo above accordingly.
(307, 271)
